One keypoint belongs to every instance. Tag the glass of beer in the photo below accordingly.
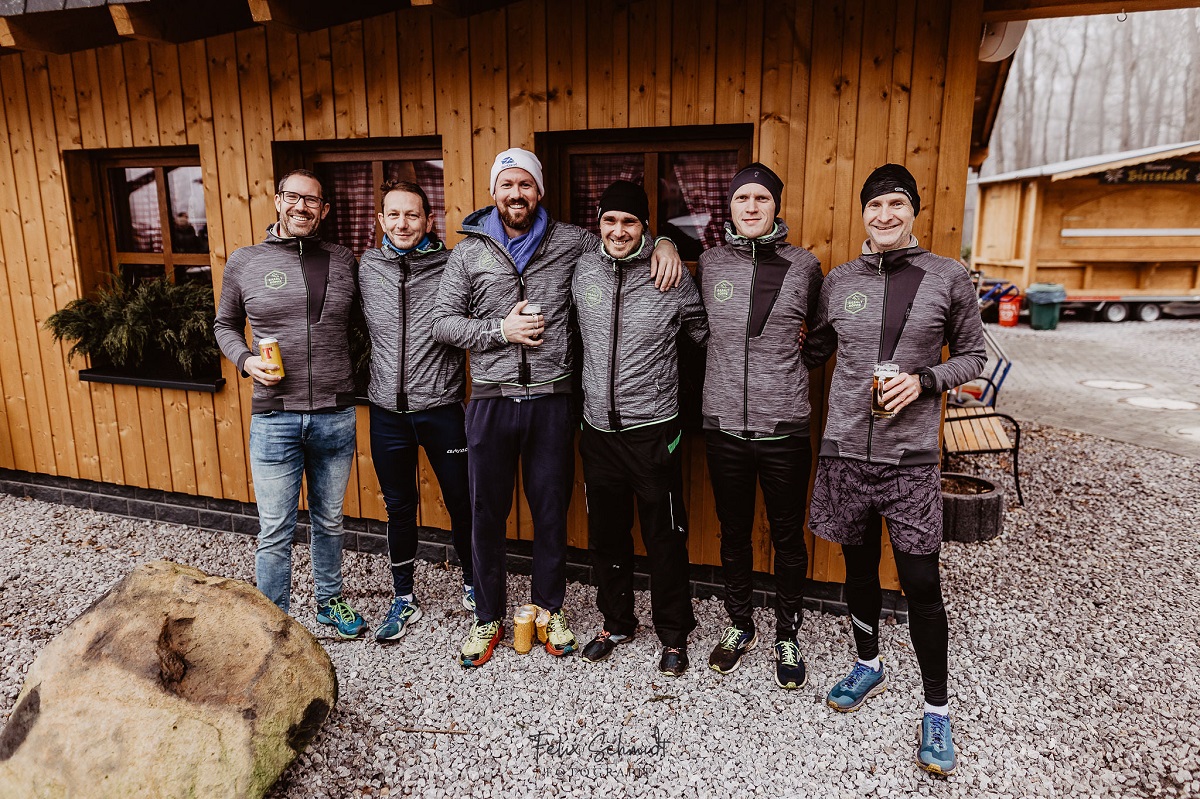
(268, 350)
(879, 376)
(533, 310)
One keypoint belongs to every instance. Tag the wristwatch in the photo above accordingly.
(927, 382)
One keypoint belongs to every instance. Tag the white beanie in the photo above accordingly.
(521, 159)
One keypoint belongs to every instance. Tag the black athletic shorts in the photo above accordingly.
(847, 491)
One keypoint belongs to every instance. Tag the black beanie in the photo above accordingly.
(887, 179)
(763, 176)
(626, 197)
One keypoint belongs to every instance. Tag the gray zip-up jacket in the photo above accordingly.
(900, 307)
(629, 329)
(757, 292)
(409, 370)
(481, 285)
(299, 291)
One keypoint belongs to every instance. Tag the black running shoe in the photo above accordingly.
(602, 646)
(789, 665)
(735, 642)
(674, 661)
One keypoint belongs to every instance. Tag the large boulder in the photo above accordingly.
(173, 684)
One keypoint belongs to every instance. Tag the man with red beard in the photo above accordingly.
(297, 289)
(506, 297)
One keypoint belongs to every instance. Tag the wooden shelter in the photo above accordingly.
(147, 135)
(1119, 231)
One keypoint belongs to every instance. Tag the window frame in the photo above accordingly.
(160, 159)
(308, 154)
(558, 148)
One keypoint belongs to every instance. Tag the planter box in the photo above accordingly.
(972, 508)
(121, 377)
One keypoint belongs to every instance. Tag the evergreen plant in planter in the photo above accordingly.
(154, 332)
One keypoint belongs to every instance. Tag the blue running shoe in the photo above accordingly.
(857, 687)
(937, 745)
(469, 597)
(399, 616)
(345, 619)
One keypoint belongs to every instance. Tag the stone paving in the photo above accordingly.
(1046, 383)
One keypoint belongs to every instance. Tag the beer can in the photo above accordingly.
(523, 630)
(532, 309)
(879, 375)
(268, 350)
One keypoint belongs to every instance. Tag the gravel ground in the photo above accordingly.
(1074, 658)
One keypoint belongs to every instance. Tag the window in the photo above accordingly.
(351, 175)
(691, 169)
(155, 221)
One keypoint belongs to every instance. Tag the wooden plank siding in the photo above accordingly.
(832, 89)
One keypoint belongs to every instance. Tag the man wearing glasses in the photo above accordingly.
(299, 290)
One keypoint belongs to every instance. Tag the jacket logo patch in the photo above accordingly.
(856, 302)
(592, 295)
(275, 279)
(723, 291)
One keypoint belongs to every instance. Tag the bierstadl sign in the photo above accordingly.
(1168, 172)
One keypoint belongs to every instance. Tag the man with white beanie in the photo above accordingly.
(506, 297)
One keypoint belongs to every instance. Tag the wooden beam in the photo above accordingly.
(304, 16)
(59, 31)
(173, 23)
(1010, 10)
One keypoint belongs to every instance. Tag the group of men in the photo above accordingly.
(511, 294)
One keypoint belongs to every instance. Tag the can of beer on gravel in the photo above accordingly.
(268, 350)
(523, 630)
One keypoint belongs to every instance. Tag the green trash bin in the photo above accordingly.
(1045, 304)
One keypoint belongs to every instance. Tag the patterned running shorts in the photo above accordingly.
(847, 491)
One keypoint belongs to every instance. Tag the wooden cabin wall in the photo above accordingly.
(832, 89)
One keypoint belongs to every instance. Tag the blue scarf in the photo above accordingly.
(524, 246)
(423, 244)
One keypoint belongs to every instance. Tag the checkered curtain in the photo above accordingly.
(592, 174)
(429, 176)
(704, 180)
(351, 195)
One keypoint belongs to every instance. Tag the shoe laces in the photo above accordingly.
(789, 653)
(340, 610)
(939, 726)
(558, 624)
(731, 638)
(674, 650)
(484, 632)
(395, 611)
(857, 673)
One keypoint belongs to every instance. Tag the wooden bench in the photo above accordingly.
(981, 431)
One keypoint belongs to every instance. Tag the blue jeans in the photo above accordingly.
(286, 446)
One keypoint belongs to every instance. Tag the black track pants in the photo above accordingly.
(927, 622)
(617, 467)
(781, 467)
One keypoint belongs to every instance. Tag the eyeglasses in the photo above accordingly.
(291, 198)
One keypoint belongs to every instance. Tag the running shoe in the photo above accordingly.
(480, 643)
(735, 642)
(399, 616)
(789, 665)
(937, 745)
(674, 661)
(862, 683)
(559, 638)
(602, 646)
(337, 613)
(468, 598)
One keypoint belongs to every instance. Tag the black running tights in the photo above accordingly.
(927, 623)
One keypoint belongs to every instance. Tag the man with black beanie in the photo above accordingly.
(758, 291)
(630, 439)
(887, 314)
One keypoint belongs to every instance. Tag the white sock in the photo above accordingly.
(873, 663)
(941, 710)
(407, 598)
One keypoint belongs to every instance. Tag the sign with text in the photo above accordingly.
(1162, 172)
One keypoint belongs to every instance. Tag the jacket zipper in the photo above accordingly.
(746, 360)
(879, 358)
(402, 378)
(307, 320)
(614, 420)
